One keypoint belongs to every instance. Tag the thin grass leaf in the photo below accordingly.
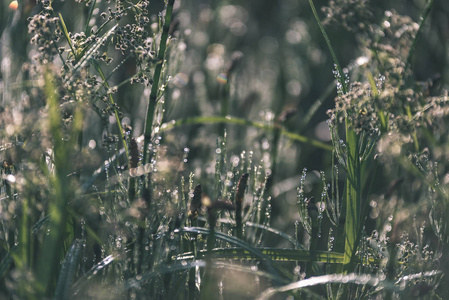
(50, 255)
(68, 271)
(183, 266)
(331, 49)
(359, 279)
(268, 229)
(316, 105)
(165, 269)
(381, 113)
(156, 78)
(353, 167)
(89, 16)
(423, 19)
(275, 254)
(353, 197)
(116, 113)
(239, 121)
(38, 225)
(6, 261)
(232, 240)
(84, 280)
(66, 35)
(277, 232)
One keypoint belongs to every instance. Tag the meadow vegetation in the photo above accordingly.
(224, 149)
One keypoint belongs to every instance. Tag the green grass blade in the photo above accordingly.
(359, 279)
(353, 197)
(329, 46)
(136, 283)
(381, 113)
(89, 16)
(274, 254)
(116, 113)
(239, 121)
(66, 35)
(182, 266)
(53, 244)
(156, 78)
(277, 232)
(234, 241)
(68, 271)
(6, 261)
(80, 283)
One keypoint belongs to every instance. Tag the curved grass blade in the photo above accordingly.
(153, 99)
(326, 279)
(48, 258)
(116, 113)
(182, 266)
(239, 121)
(80, 283)
(277, 232)
(359, 279)
(232, 240)
(68, 271)
(331, 49)
(423, 19)
(271, 230)
(66, 35)
(136, 283)
(275, 254)
(6, 261)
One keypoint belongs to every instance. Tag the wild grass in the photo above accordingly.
(183, 150)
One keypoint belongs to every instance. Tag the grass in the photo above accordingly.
(153, 150)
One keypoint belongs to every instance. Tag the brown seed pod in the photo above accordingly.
(195, 203)
(241, 187)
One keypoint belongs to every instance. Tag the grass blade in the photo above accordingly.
(80, 283)
(156, 78)
(239, 121)
(50, 255)
(232, 240)
(6, 261)
(68, 271)
(274, 254)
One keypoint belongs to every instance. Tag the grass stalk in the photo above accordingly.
(53, 244)
(239, 198)
(121, 133)
(353, 198)
(422, 19)
(156, 78)
(353, 169)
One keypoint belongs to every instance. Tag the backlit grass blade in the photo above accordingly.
(234, 241)
(359, 279)
(353, 167)
(353, 197)
(80, 283)
(152, 103)
(239, 121)
(275, 254)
